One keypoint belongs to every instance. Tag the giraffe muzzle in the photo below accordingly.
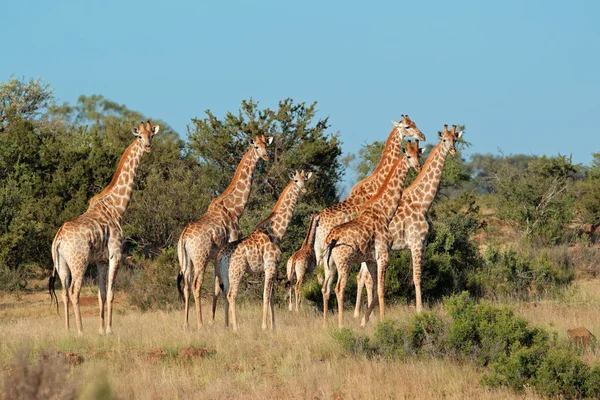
(266, 158)
(147, 149)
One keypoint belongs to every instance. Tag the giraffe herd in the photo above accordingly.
(377, 217)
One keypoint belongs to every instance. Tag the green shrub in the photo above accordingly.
(390, 339)
(562, 374)
(517, 275)
(352, 342)
(486, 333)
(517, 369)
(152, 284)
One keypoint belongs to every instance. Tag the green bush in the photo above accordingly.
(352, 342)
(517, 369)
(152, 283)
(519, 276)
(562, 374)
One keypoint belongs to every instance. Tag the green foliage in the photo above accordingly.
(516, 275)
(538, 197)
(484, 333)
(352, 342)
(517, 354)
(151, 284)
(23, 100)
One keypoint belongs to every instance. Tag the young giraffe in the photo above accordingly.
(257, 253)
(363, 191)
(366, 238)
(201, 240)
(96, 235)
(410, 225)
(302, 261)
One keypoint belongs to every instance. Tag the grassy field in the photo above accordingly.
(149, 354)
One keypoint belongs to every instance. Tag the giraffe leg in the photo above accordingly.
(196, 286)
(215, 297)
(113, 266)
(75, 291)
(298, 292)
(360, 282)
(102, 272)
(235, 277)
(187, 283)
(382, 263)
(370, 282)
(330, 273)
(417, 254)
(290, 276)
(270, 270)
(65, 279)
(339, 293)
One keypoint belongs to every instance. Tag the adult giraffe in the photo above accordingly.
(201, 240)
(96, 235)
(410, 225)
(362, 192)
(366, 238)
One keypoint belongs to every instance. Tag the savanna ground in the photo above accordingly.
(148, 355)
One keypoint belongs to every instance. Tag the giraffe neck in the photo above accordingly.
(117, 194)
(235, 197)
(276, 223)
(309, 240)
(387, 199)
(369, 186)
(425, 187)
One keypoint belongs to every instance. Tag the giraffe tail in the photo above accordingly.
(183, 261)
(330, 247)
(52, 279)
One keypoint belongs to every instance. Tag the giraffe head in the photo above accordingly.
(260, 144)
(408, 129)
(145, 133)
(300, 179)
(411, 155)
(449, 138)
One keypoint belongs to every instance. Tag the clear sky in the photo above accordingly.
(523, 76)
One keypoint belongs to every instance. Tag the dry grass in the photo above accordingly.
(299, 360)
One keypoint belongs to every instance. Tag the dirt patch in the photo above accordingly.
(190, 353)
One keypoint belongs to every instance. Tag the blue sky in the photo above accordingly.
(522, 75)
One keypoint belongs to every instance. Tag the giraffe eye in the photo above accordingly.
(408, 157)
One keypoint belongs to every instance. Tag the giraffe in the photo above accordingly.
(302, 261)
(259, 252)
(363, 191)
(96, 235)
(366, 238)
(410, 225)
(201, 240)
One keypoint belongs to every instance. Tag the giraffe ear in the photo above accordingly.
(292, 176)
(135, 131)
(308, 175)
(440, 134)
(396, 123)
(270, 140)
(155, 129)
(459, 134)
(251, 141)
(403, 150)
(421, 151)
